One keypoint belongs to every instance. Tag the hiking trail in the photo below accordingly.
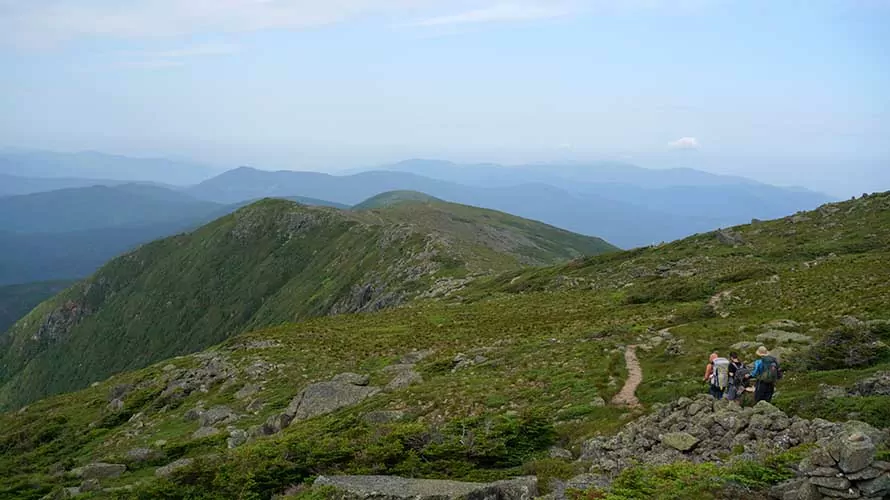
(627, 397)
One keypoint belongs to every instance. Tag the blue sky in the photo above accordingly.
(789, 92)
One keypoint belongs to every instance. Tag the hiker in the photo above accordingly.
(766, 372)
(738, 378)
(717, 375)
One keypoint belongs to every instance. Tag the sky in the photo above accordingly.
(783, 91)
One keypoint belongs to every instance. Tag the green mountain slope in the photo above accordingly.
(268, 263)
(391, 198)
(17, 300)
(502, 368)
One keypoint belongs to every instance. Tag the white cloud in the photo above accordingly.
(46, 23)
(49, 22)
(685, 143)
(499, 13)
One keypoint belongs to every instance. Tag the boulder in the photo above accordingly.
(783, 337)
(745, 345)
(834, 482)
(876, 385)
(854, 452)
(404, 379)
(680, 441)
(397, 488)
(204, 432)
(144, 455)
(273, 425)
(878, 487)
(325, 397)
(172, 467)
(116, 405)
(99, 470)
(247, 392)
(217, 415)
(237, 437)
(90, 485)
(352, 378)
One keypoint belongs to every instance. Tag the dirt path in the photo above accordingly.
(627, 396)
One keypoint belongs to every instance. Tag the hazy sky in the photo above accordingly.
(790, 92)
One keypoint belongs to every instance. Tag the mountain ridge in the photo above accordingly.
(271, 261)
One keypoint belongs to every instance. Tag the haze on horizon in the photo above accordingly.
(790, 93)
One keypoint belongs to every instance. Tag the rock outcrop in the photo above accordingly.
(397, 488)
(99, 470)
(320, 398)
(841, 467)
(703, 429)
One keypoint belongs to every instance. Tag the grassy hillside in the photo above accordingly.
(268, 263)
(18, 300)
(511, 365)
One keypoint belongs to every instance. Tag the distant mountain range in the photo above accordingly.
(627, 205)
(625, 214)
(95, 165)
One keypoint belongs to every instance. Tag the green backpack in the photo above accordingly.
(769, 372)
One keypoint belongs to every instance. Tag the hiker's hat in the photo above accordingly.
(762, 351)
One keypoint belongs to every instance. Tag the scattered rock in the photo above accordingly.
(170, 468)
(729, 237)
(144, 454)
(876, 385)
(598, 402)
(116, 405)
(855, 452)
(832, 391)
(119, 391)
(204, 432)
(273, 425)
(404, 379)
(397, 488)
(248, 391)
(325, 397)
(255, 405)
(217, 415)
(237, 437)
(680, 441)
(745, 346)
(90, 485)
(99, 470)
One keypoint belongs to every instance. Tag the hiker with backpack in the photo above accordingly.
(738, 378)
(766, 372)
(717, 375)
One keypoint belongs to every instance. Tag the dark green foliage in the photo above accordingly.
(846, 347)
(472, 449)
(871, 409)
(670, 290)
